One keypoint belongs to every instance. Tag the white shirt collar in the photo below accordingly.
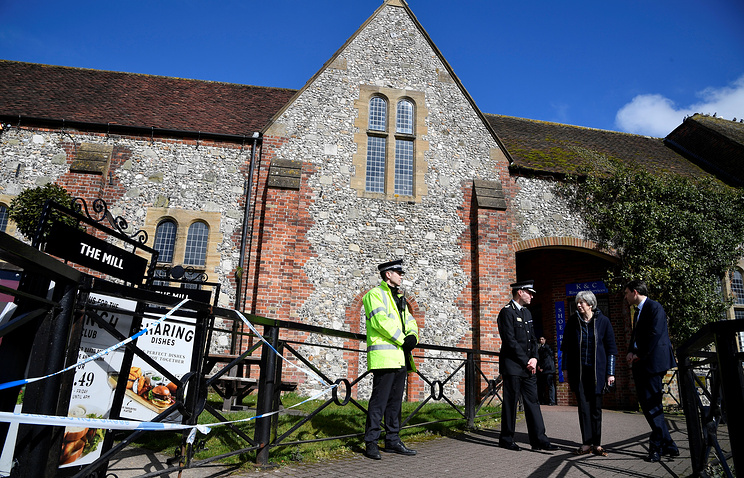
(640, 305)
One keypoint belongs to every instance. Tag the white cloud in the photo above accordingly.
(656, 115)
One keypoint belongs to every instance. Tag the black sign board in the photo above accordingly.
(183, 293)
(76, 246)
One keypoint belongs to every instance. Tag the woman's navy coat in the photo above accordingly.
(604, 339)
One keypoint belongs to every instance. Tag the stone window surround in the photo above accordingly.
(184, 218)
(420, 165)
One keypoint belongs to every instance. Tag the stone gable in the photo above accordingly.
(349, 235)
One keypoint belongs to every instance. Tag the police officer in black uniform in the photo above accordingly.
(518, 364)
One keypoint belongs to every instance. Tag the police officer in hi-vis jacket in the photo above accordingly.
(391, 335)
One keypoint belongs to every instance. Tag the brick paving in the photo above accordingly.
(477, 454)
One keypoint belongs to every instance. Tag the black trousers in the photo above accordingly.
(546, 388)
(388, 386)
(590, 408)
(650, 391)
(526, 387)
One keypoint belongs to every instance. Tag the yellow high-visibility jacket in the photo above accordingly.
(386, 330)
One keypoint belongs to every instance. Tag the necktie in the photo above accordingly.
(636, 313)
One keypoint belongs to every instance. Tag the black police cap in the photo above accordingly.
(528, 285)
(396, 265)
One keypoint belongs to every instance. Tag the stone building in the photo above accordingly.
(382, 154)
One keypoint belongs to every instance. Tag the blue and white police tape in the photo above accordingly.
(98, 355)
(308, 372)
(100, 423)
(119, 424)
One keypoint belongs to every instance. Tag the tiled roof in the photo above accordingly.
(554, 148)
(716, 142)
(95, 96)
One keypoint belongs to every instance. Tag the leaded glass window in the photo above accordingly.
(375, 164)
(196, 244)
(404, 117)
(165, 240)
(377, 114)
(404, 167)
(3, 217)
(737, 287)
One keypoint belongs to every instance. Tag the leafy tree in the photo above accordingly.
(679, 235)
(25, 209)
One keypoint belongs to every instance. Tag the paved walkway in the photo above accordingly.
(477, 454)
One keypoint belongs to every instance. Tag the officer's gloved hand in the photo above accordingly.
(409, 343)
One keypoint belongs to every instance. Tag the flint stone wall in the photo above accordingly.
(350, 235)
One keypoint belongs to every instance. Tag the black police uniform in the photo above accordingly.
(518, 346)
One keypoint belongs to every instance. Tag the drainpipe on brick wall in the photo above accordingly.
(240, 297)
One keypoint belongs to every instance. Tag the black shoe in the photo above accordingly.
(671, 451)
(398, 448)
(653, 457)
(545, 446)
(509, 445)
(371, 450)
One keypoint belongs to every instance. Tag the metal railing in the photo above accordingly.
(711, 381)
(468, 366)
(69, 308)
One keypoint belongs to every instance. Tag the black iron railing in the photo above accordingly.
(69, 308)
(711, 382)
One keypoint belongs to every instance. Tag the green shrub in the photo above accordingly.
(25, 209)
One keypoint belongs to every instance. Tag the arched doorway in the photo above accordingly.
(559, 272)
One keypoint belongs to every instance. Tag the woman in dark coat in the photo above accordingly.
(588, 363)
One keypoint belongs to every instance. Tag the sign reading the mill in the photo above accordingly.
(76, 246)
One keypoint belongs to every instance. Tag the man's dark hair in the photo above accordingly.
(637, 285)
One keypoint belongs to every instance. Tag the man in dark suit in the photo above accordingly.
(650, 355)
(545, 373)
(518, 364)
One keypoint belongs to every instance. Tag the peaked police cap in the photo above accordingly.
(528, 285)
(396, 265)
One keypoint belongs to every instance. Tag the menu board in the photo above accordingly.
(148, 392)
(170, 344)
(92, 393)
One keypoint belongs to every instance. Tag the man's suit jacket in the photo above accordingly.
(518, 341)
(650, 340)
(545, 360)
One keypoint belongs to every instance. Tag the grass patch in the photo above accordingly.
(332, 421)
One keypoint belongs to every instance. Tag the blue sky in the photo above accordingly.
(635, 66)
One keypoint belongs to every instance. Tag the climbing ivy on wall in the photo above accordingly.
(679, 235)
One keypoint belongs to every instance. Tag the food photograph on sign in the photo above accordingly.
(148, 388)
(148, 392)
(79, 441)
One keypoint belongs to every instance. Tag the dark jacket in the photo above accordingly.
(518, 341)
(650, 340)
(545, 361)
(604, 352)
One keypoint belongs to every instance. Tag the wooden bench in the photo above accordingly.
(234, 385)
